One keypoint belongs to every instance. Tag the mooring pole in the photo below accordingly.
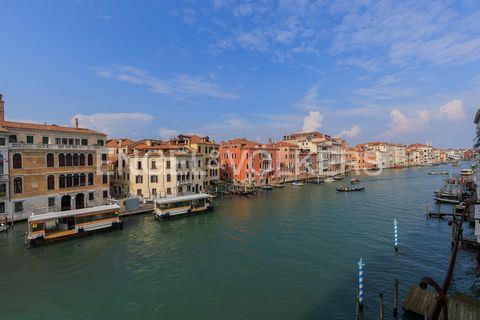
(395, 228)
(381, 307)
(395, 297)
(360, 283)
(357, 307)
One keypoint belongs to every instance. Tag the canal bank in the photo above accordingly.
(289, 253)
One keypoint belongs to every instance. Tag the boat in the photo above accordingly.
(173, 207)
(339, 177)
(57, 226)
(3, 222)
(447, 200)
(282, 185)
(466, 172)
(354, 180)
(297, 184)
(350, 189)
(267, 187)
(329, 179)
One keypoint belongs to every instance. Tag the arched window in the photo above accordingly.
(90, 160)
(76, 180)
(17, 161)
(105, 178)
(17, 185)
(82, 159)
(69, 160)
(51, 182)
(75, 159)
(104, 159)
(82, 179)
(69, 180)
(90, 179)
(61, 160)
(63, 181)
(50, 160)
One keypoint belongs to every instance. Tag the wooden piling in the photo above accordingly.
(381, 307)
(395, 297)
(357, 307)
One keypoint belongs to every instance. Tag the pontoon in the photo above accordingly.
(184, 205)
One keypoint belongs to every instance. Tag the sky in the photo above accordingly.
(398, 71)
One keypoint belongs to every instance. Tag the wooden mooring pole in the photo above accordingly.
(395, 297)
(357, 307)
(381, 307)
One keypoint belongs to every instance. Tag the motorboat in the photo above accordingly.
(350, 189)
(339, 177)
(297, 184)
(329, 179)
(466, 172)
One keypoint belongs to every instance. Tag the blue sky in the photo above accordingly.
(402, 71)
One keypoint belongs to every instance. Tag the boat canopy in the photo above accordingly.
(183, 198)
(71, 213)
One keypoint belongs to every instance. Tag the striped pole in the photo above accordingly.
(395, 227)
(360, 283)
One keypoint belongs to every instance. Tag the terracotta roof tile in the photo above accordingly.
(47, 127)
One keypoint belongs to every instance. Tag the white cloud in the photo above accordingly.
(352, 133)
(310, 100)
(178, 86)
(167, 134)
(114, 124)
(313, 121)
(453, 110)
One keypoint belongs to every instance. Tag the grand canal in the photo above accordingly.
(289, 253)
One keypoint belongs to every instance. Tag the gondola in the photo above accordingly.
(350, 189)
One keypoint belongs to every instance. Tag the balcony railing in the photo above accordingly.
(37, 146)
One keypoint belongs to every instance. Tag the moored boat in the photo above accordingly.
(339, 177)
(354, 180)
(267, 187)
(329, 179)
(297, 184)
(56, 226)
(350, 189)
(466, 172)
(172, 207)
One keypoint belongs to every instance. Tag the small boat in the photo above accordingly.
(267, 187)
(297, 184)
(282, 185)
(447, 200)
(173, 207)
(339, 177)
(350, 189)
(466, 172)
(329, 179)
(354, 180)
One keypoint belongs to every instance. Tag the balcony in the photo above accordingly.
(184, 182)
(37, 146)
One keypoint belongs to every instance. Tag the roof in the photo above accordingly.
(70, 213)
(47, 127)
(286, 144)
(115, 143)
(4, 130)
(183, 198)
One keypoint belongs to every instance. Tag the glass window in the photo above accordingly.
(90, 179)
(63, 181)
(17, 185)
(100, 142)
(84, 142)
(169, 177)
(50, 160)
(154, 179)
(90, 159)
(68, 160)
(105, 178)
(64, 141)
(2, 207)
(50, 182)
(105, 194)
(75, 160)
(12, 139)
(29, 139)
(51, 202)
(45, 140)
(91, 196)
(168, 164)
(81, 160)
(17, 161)
(61, 160)
(18, 206)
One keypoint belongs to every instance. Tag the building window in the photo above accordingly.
(139, 179)
(51, 202)
(76, 180)
(2, 207)
(91, 196)
(139, 192)
(105, 178)
(3, 190)
(29, 139)
(169, 177)
(69, 181)
(154, 192)
(17, 185)
(100, 142)
(168, 164)
(45, 140)
(104, 159)
(105, 194)
(169, 191)
(2, 141)
(17, 161)
(139, 165)
(18, 206)
(154, 179)
(90, 159)
(51, 182)
(90, 179)
(154, 164)
(50, 160)
(84, 142)
(12, 139)
(75, 160)
(68, 160)
(61, 160)
(81, 160)
(82, 179)
(63, 181)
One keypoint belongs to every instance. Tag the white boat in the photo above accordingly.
(466, 172)
(56, 226)
(297, 184)
(329, 179)
(171, 207)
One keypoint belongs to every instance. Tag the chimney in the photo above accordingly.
(76, 123)
(2, 108)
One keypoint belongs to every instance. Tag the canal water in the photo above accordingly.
(289, 253)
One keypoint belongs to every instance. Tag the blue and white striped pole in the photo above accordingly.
(395, 227)
(360, 283)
